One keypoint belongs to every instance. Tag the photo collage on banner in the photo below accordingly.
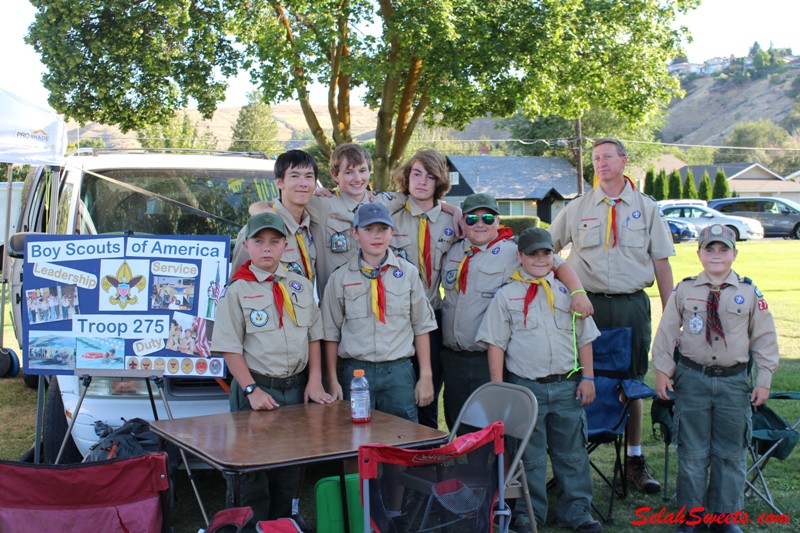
(123, 303)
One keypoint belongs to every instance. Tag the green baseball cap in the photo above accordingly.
(264, 221)
(480, 201)
(533, 239)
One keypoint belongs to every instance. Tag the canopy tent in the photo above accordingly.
(30, 134)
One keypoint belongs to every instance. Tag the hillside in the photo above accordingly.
(706, 115)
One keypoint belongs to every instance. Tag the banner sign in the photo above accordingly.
(126, 302)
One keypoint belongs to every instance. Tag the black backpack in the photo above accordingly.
(132, 439)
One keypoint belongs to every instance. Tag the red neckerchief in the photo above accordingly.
(503, 233)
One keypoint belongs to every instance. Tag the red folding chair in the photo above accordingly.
(458, 487)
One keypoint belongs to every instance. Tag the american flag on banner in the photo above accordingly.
(202, 346)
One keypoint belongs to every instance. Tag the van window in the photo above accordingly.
(727, 207)
(751, 206)
(172, 201)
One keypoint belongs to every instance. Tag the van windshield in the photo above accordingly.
(172, 201)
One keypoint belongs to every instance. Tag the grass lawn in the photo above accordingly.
(774, 265)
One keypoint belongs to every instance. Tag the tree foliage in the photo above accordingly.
(180, 131)
(674, 188)
(721, 189)
(704, 192)
(649, 181)
(440, 61)
(660, 187)
(689, 187)
(255, 129)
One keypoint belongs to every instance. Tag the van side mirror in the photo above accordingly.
(16, 245)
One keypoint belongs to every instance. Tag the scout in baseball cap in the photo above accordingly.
(533, 239)
(717, 233)
(474, 202)
(372, 213)
(261, 221)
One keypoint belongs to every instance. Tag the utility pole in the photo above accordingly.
(579, 153)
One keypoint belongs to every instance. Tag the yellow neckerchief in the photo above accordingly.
(531, 293)
(377, 292)
(301, 245)
(282, 300)
(424, 245)
(611, 218)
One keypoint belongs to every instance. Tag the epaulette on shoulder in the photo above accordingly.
(689, 278)
(230, 282)
(745, 279)
(651, 197)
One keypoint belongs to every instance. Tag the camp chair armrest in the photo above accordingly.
(784, 396)
(636, 390)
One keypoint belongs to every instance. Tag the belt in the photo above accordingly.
(618, 295)
(715, 371)
(283, 384)
(555, 378)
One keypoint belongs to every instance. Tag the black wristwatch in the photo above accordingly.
(249, 389)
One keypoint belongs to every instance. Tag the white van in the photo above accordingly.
(155, 193)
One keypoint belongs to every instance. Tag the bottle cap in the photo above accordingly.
(359, 373)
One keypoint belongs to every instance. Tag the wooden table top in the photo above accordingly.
(291, 435)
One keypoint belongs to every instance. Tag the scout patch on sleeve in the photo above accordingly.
(762, 305)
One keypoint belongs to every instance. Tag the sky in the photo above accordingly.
(718, 27)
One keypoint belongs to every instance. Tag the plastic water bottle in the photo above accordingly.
(359, 398)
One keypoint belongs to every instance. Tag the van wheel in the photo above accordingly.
(31, 381)
(796, 232)
(735, 233)
(55, 427)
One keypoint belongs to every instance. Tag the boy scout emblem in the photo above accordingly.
(296, 286)
(124, 281)
(399, 252)
(739, 299)
(216, 366)
(636, 214)
(338, 243)
(448, 232)
(397, 273)
(450, 276)
(495, 250)
(696, 324)
(563, 290)
(294, 267)
(259, 317)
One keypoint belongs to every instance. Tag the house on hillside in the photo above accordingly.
(533, 186)
(748, 179)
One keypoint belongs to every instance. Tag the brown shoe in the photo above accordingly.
(639, 475)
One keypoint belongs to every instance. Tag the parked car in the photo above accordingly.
(701, 216)
(156, 193)
(780, 217)
(682, 231)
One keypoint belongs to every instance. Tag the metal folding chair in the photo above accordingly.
(607, 416)
(516, 407)
(452, 488)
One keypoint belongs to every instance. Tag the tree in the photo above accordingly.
(674, 186)
(764, 134)
(705, 187)
(721, 189)
(649, 181)
(92, 142)
(179, 132)
(255, 129)
(689, 187)
(660, 187)
(441, 62)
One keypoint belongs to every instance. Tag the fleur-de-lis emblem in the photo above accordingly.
(123, 283)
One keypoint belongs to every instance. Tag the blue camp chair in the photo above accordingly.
(607, 416)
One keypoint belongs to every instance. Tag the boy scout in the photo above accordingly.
(423, 235)
(620, 245)
(268, 330)
(714, 320)
(296, 178)
(533, 310)
(376, 317)
(474, 269)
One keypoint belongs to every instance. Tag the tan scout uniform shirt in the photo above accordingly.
(544, 346)
(247, 324)
(462, 312)
(331, 216)
(627, 267)
(349, 320)
(291, 258)
(745, 318)
(406, 238)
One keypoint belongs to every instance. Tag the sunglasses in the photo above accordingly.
(487, 218)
